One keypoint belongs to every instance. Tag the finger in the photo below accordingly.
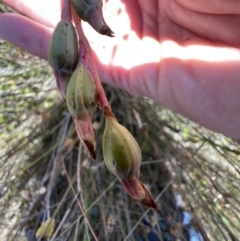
(43, 11)
(212, 6)
(220, 28)
(25, 33)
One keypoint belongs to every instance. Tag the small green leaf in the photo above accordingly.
(46, 229)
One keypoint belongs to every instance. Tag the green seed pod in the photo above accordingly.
(81, 93)
(91, 12)
(122, 156)
(63, 48)
(121, 152)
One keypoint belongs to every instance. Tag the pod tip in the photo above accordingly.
(91, 149)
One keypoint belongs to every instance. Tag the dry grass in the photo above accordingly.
(45, 172)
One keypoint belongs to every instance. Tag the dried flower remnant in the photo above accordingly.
(81, 101)
(63, 54)
(136, 189)
(122, 156)
(91, 12)
(85, 133)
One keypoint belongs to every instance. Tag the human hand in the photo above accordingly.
(183, 54)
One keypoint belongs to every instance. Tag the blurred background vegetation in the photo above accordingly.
(193, 174)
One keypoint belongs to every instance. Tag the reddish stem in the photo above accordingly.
(101, 96)
(66, 11)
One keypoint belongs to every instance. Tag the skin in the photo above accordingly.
(182, 53)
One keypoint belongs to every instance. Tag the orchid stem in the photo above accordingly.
(101, 96)
(66, 11)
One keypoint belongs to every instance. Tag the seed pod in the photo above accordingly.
(122, 156)
(63, 48)
(81, 93)
(91, 12)
(121, 152)
(63, 54)
(81, 101)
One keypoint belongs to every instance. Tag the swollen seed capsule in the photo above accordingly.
(63, 54)
(121, 152)
(81, 93)
(122, 156)
(63, 48)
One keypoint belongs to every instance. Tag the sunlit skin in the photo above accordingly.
(182, 53)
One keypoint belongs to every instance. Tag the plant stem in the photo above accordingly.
(83, 42)
(66, 11)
